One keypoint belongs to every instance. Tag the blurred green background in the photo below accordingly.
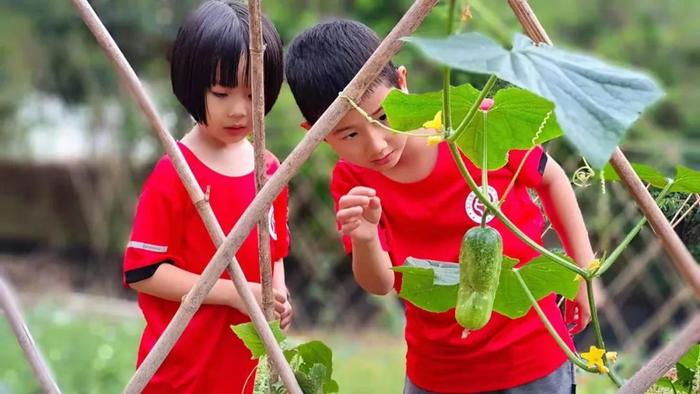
(75, 151)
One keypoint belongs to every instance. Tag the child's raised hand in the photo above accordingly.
(359, 212)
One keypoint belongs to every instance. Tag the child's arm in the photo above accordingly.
(358, 214)
(279, 284)
(560, 204)
(172, 283)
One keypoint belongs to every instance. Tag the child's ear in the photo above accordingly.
(402, 74)
(306, 126)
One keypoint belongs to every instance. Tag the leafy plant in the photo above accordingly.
(311, 362)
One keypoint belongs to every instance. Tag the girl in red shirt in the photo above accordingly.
(169, 245)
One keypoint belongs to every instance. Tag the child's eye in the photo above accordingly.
(219, 94)
(350, 136)
(382, 117)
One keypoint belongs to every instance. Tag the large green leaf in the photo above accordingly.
(542, 275)
(409, 111)
(247, 333)
(311, 382)
(432, 285)
(687, 180)
(645, 172)
(517, 120)
(595, 102)
(428, 284)
(690, 359)
(315, 353)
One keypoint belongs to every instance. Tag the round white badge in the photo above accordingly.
(475, 208)
(271, 223)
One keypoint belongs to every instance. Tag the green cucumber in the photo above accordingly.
(480, 259)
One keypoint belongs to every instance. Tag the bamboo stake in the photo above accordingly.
(259, 206)
(194, 298)
(664, 360)
(10, 306)
(257, 84)
(681, 258)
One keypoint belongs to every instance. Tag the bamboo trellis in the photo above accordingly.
(224, 258)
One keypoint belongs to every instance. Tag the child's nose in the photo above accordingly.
(378, 139)
(237, 109)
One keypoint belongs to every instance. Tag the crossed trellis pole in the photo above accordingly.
(224, 258)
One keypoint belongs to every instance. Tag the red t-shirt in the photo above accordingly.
(427, 219)
(208, 357)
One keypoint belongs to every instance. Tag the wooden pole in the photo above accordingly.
(681, 258)
(257, 84)
(10, 306)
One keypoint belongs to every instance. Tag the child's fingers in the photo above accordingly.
(350, 226)
(362, 191)
(348, 200)
(375, 202)
(348, 214)
(279, 296)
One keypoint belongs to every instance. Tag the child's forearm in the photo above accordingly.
(278, 277)
(172, 283)
(562, 209)
(371, 266)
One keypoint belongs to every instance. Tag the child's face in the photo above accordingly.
(365, 144)
(229, 112)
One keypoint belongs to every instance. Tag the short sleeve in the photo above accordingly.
(279, 225)
(156, 234)
(342, 181)
(279, 218)
(533, 165)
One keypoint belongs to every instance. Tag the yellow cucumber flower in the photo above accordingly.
(594, 356)
(436, 123)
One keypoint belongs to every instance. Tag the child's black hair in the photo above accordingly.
(209, 48)
(322, 60)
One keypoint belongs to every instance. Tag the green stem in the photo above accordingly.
(569, 353)
(452, 136)
(446, 106)
(630, 236)
(485, 163)
(484, 171)
(598, 333)
(497, 212)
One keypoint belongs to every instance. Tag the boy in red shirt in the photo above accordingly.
(169, 245)
(397, 196)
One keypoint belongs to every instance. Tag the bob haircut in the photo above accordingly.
(210, 47)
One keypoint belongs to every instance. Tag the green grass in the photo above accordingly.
(87, 354)
(96, 354)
